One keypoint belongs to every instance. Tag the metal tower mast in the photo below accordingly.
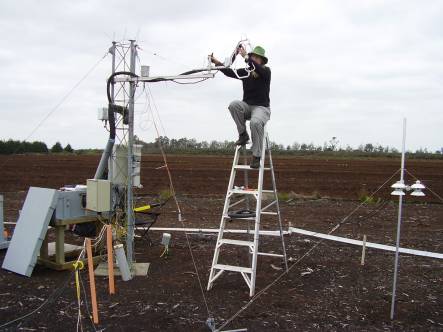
(122, 93)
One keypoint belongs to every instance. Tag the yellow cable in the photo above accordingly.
(78, 265)
(142, 208)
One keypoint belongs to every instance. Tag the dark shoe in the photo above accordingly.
(255, 162)
(242, 139)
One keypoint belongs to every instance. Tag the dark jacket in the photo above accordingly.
(255, 87)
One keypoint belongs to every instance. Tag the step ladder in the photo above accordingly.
(248, 272)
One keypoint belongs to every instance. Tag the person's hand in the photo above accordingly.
(213, 59)
(242, 51)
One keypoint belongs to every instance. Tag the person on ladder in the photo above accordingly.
(255, 105)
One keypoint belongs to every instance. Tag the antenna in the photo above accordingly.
(399, 190)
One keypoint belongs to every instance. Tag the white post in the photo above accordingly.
(363, 250)
(129, 207)
(122, 262)
(400, 205)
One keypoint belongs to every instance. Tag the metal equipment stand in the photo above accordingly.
(248, 273)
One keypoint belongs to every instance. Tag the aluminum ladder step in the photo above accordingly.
(232, 268)
(248, 192)
(250, 218)
(246, 218)
(247, 167)
(269, 213)
(236, 242)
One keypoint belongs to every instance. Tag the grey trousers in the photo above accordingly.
(258, 116)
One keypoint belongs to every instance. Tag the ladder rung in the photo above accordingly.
(233, 268)
(269, 254)
(270, 213)
(250, 192)
(236, 203)
(242, 191)
(236, 242)
(247, 218)
(249, 167)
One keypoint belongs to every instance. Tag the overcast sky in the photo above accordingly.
(349, 69)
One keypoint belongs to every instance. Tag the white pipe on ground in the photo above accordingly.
(299, 231)
(368, 244)
(211, 230)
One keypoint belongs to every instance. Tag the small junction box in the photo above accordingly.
(98, 195)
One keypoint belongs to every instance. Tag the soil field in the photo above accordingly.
(326, 288)
(203, 175)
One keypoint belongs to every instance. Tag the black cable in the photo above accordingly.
(307, 253)
(86, 301)
(337, 226)
(55, 294)
(203, 79)
(110, 81)
(193, 71)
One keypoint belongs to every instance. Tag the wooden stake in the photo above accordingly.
(363, 250)
(92, 281)
(110, 259)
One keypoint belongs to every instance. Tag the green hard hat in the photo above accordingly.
(260, 51)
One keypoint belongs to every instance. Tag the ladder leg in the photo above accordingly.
(246, 176)
(255, 249)
(247, 200)
(274, 186)
(216, 254)
(223, 220)
(258, 215)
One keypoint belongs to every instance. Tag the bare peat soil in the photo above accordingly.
(326, 287)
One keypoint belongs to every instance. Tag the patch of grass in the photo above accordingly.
(164, 194)
(368, 200)
(286, 196)
(364, 197)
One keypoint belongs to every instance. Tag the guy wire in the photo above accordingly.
(306, 254)
(57, 106)
(179, 210)
(427, 187)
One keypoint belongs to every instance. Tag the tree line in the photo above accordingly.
(331, 147)
(192, 146)
(15, 147)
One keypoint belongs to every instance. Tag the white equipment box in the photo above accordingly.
(102, 114)
(98, 195)
(119, 165)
